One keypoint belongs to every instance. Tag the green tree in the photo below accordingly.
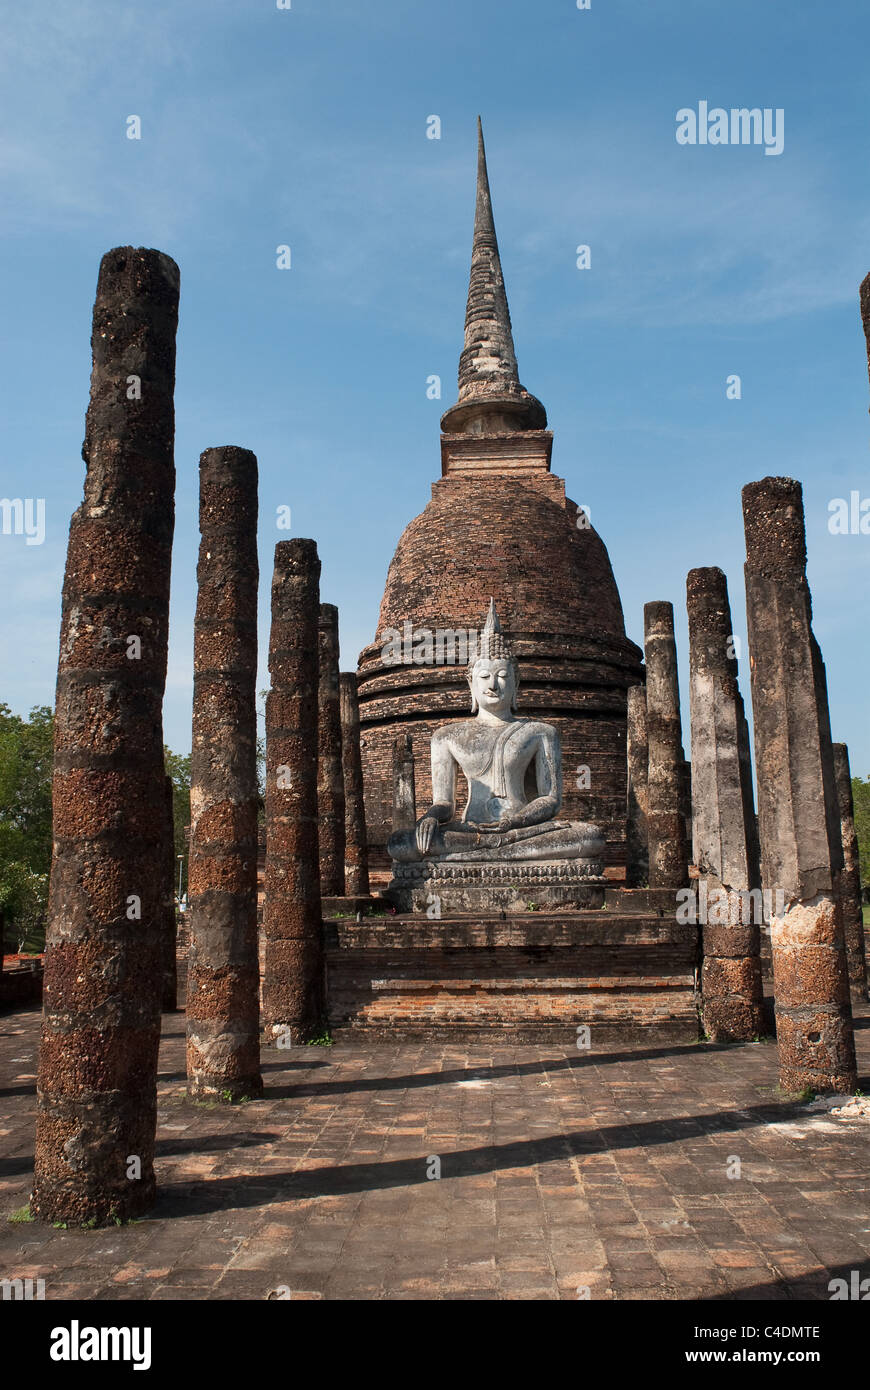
(26, 750)
(178, 768)
(861, 798)
(23, 902)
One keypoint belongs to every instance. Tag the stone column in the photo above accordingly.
(850, 879)
(293, 984)
(170, 929)
(637, 752)
(404, 790)
(666, 826)
(330, 776)
(356, 868)
(724, 838)
(794, 764)
(223, 978)
(865, 313)
(97, 1083)
(686, 798)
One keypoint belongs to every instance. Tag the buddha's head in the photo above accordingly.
(493, 676)
(494, 682)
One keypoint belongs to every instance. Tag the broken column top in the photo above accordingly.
(773, 515)
(842, 774)
(230, 459)
(227, 501)
(139, 269)
(132, 338)
(295, 603)
(710, 619)
(296, 556)
(707, 582)
(658, 617)
(636, 700)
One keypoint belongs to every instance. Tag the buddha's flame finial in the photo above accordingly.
(493, 643)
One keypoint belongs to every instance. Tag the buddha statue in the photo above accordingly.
(513, 767)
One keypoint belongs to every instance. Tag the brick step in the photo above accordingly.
(570, 1010)
(661, 901)
(537, 930)
(517, 984)
(605, 1034)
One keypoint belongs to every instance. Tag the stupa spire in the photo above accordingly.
(491, 398)
(488, 359)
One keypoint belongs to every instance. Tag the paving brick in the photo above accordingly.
(498, 1224)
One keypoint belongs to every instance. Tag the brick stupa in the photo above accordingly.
(499, 525)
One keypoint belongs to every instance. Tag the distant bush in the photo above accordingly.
(861, 797)
(26, 750)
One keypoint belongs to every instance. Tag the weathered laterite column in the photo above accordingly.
(637, 753)
(356, 867)
(330, 776)
(724, 837)
(850, 879)
(864, 294)
(796, 796)
(223, 1012)
(293, 983)
(404, 789)
(97, 1084)
(666, 826)
(169, 1000)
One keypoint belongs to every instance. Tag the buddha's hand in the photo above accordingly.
(425, 830)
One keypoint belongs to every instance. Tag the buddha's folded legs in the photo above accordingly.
(551, 840)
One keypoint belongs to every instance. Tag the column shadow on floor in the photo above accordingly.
(491, 1071)
(809, 1287)
(184, 1199)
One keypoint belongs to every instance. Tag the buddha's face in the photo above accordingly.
(494, 685)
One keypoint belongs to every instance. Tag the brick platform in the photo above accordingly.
(532, 977)
(559, 1170)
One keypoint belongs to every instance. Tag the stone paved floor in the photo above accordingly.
(559, 1171)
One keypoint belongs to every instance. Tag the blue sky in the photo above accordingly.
(307, 126)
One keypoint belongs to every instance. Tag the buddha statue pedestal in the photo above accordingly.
(507, 852)
(459, 885)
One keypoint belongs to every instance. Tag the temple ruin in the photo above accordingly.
(488, 831)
